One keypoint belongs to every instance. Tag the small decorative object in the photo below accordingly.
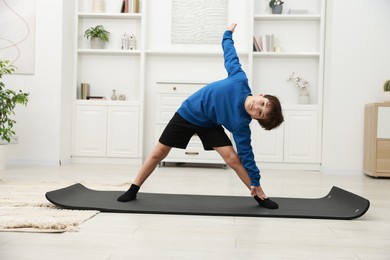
(113, 96)
(386, 89)
(132, 42)
(122, 97)
(276, 6)
(125, 42)
(98, 35)
(98, 6)
(278, 49)
(304, 97)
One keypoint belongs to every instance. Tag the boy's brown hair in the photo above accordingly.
(275, 115)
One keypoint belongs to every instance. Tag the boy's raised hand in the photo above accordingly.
(232, 27)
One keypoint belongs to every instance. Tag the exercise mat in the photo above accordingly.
(338, 204)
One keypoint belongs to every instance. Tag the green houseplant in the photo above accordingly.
(98, 36)
(276, 6)
(386, 89)
(8, 101)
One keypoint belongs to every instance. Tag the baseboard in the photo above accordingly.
(105, 160)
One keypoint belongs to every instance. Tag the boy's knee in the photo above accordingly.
(232, 159)
(160, 153)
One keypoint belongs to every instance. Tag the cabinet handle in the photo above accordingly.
(174, 88)
(192, 153)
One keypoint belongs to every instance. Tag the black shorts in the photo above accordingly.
(179, 131)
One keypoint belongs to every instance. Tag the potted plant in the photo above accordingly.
(386, 89)
(98, 35)
(8, 101)
(276, 6)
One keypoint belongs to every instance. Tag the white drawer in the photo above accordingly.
(193, 155)
(179, 88)
(166, 100)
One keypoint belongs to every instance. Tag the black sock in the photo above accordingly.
(129, 195)
(267, 203)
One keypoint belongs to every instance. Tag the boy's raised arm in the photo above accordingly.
(232, 63)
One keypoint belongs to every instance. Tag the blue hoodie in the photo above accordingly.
(222, 103)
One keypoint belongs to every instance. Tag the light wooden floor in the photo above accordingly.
(132, 236)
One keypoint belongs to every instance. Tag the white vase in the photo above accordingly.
(113, 95)
(304, 97)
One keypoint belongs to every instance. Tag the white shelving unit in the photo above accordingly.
(108, 130)
(297, 143)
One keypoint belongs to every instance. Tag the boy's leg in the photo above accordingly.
(159, 152)
(231, 158)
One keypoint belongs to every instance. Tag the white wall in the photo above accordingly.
(357, 64)
(39, 125)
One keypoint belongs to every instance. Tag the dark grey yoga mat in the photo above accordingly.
(338, 204)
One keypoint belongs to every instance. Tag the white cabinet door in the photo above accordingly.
(267, 145)
(301, 136)
(90, 131)
(122, 132)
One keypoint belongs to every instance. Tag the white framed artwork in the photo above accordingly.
(17, 34)
(198, 21)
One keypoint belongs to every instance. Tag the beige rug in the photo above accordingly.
(23, 207)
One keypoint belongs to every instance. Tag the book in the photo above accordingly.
(256, 46)
(267, 42)
(135, 6)
(125, 6)
(96, 98)
(260, 43)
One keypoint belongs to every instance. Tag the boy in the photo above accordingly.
(228, 103)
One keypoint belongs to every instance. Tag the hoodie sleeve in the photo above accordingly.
(245, 153)
(232, 63)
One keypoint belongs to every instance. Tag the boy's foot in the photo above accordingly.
(266, 203)
(129, 195)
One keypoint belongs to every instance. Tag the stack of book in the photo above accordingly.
(130, 6)
(265, 43)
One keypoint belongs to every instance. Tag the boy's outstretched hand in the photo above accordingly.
(258, 191)
(232, 27)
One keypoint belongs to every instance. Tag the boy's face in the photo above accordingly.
(258, 107)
